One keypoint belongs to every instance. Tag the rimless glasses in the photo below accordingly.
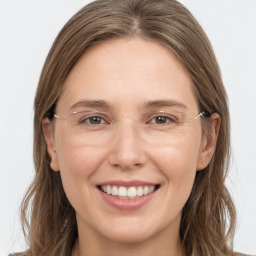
(160, 128)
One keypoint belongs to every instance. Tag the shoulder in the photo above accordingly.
(19, 254)
(241, 254)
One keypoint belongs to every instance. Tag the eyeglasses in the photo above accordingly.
(100, 128)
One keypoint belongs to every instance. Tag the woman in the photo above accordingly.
(131, 141)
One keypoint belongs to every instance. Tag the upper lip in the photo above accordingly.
(130, 183)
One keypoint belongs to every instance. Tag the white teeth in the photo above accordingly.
(145, 190)
(130, 192)
(122, 191)
(139, 191)
(115, 191)
(109, 190)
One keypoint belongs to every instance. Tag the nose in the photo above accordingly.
(127, 149)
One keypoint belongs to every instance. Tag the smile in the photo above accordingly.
(128, 192)
(127, 195)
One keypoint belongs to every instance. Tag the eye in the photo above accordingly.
(161, 120)
(93, 120)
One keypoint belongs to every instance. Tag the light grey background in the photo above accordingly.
(27, 30)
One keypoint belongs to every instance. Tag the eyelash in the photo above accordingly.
(167, 119)
(86, 120)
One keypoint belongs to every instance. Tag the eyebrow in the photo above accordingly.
(150, 104)
(164, 103)
(91, 104)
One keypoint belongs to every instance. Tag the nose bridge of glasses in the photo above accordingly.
(127, 122)
(127, 137)
(133, 129)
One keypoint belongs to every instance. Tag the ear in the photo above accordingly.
(50, 143)
(209, 141)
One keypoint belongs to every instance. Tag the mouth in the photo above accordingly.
(131, 192)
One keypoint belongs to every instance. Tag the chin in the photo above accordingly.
(131, 230)
(124, 237)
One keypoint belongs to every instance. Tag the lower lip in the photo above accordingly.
(126, 204)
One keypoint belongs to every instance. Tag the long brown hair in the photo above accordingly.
(208, 218)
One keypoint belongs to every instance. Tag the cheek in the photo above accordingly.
(77, 164)
(77, 169)
(179, 170)
(178, 159)
(74, 159)
(178, 165)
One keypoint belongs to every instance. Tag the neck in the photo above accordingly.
(159, 245)
(128, 250)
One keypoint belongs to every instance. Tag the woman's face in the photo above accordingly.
(131, 135)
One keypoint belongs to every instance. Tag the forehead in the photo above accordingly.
(127, 72)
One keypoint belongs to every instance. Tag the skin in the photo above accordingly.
(126, 74)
